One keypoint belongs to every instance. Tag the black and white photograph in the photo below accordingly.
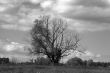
(54, 36)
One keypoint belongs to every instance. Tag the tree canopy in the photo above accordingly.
(50, 37)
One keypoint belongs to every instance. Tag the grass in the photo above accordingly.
(49, 69)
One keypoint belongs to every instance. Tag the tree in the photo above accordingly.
(42, 61)
(14, 60)
(89, 62)
(51, 38)
(4, 60)
(75, 61)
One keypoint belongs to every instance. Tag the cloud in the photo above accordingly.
(98, 56)
(85, 56)
(93, 3)
(89, 15)
(62, 6)
(68, 5)
(92, 15)
(47, 4)
(36, 1)
(15, 27)
(5, 7)
(2, 8)
(8, 18)
(86, 15)
(8, 4)
(7, 1)
(88, 18)
(23, 21)
(88, 53)
(82, 26)
(12, 48)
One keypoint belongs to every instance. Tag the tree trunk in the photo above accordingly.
(54, 60)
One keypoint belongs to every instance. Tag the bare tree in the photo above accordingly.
(51, 38)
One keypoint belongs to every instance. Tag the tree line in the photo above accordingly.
(71, 62)
(4, 60)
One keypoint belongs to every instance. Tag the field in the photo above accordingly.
(49, 69)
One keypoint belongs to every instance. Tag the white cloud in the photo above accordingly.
(63, 5)
(86, 55)
(35, 1)
(13, 46)
(108, 1)
(7, 4)
(9, 47)
(47, 4)
(89, 55)
(2, 8)
(13, 50)
(14, 2)
(4, 1)
(5, 7)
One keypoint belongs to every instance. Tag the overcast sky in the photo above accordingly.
(90, 18)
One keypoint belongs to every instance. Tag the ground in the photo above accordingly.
(49, 69)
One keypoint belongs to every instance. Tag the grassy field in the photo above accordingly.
(49, 69)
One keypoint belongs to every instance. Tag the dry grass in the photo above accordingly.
(48, 69)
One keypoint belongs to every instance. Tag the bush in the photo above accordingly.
(74, 62)
(42, 61)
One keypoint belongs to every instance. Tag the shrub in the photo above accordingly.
(42, 61)
(74, 62)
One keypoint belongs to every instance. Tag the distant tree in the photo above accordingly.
(90, 62)
(51, 38)
(84, 63)
(75, 62)
(4, 60)
(42, 61)
(14, 60)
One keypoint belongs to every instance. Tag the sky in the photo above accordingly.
(90, 18)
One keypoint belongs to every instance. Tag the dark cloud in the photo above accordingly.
(91, 17)
(94, 19)
(93, 3)
(92, 11)
(86, 10)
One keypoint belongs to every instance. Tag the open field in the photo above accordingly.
(49, 69)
